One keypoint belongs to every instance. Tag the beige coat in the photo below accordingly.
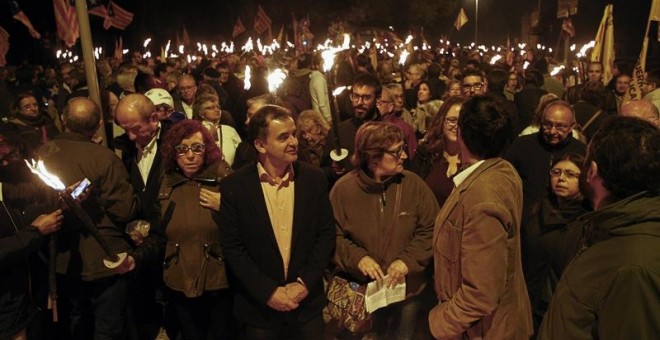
(476, 248)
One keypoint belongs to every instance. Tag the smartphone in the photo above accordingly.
(84, 184)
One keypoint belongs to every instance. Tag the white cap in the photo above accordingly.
(160, 96)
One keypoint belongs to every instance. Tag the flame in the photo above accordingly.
(167, 48)
(248, 73)
(556, 70)
(40, 170)
(495, 58)
(180, 49)
(249, 45)
(338, 90)
(275, 79)
(146, 42)
(403, 57)
(329, 54)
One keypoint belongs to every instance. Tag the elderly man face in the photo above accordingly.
(557, 123)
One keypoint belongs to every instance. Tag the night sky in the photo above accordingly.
(212, 20)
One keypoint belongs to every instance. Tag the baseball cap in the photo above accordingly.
(160, 96)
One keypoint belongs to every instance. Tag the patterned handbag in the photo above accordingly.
(346, 300)
(346, 305)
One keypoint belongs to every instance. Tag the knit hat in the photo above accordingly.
(160, 96)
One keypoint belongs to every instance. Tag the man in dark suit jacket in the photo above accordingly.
(141, 153)
(277, 247)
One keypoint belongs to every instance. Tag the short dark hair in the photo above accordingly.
(472, 73)
(485, 127)
(368, 79)
(497, 80)
(258, 127)
(627, 154)
(535, 77)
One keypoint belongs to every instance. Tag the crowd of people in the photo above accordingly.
(510, 205)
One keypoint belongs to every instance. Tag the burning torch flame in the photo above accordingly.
(248, 74)
(403, 57)
(275, 79)
(146, 42)
(494, 59)
(329, 54)
(249, 45)
(338, 90)
(40, 170)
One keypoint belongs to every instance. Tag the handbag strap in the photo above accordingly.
(390, 231)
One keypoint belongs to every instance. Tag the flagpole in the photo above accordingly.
(90, 63)
(476, 22)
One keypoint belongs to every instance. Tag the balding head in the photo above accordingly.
(82, 115)
(137, 115)
(641, 109)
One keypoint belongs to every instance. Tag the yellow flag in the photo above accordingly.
(461, 20)
(603, 50)
(635, 88)
(655, 11)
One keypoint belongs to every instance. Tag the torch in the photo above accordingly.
(337, 154)
(113, 259)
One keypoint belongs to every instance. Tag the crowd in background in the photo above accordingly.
(174, 130)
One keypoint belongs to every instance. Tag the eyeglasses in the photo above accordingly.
(451, 121)
(475, 86)
(559, 126)
(398, 152)
(364, 97)
(381, 102)
(182, 149)
(556, 172)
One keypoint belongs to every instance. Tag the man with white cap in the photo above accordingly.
(164, 105)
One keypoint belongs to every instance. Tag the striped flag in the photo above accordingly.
(567, 26)
(67, 22)
(238, 28)
(19, 15)
(461, 19)
(98, 10)
(262, 21)
(117, 17)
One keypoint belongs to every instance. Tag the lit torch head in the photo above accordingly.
(248, 74)
(38, 168)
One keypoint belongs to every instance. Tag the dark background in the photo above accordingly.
(212, 21)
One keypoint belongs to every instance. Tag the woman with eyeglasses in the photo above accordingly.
(189, 199)
(547, 241)
(437, 160)
(385, 217)
(207, 108)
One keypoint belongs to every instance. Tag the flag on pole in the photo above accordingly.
(66, 21)
(603, 50)
(117, 17)
(262, 21)
(238, 28)
(461, 19)
(567, 26)
(635, 88)
(99, 10)
(655, 11)
(4, 46)
(19, 15)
